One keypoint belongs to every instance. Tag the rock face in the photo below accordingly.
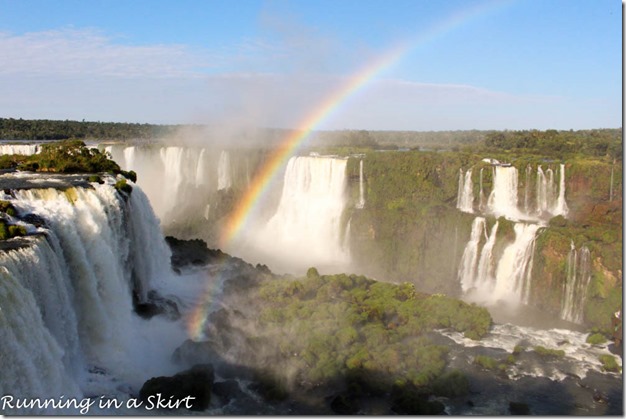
(193, 385)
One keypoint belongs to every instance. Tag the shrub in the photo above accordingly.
(545, 352)
(596, 339)
(609, 363)
(451, 384)
(8, 208)
(122, 186)
(486, 362)
(17, 230)
(95, 179)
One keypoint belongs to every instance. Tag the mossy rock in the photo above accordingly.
(609, 363)
(545, 352)
(596, 339)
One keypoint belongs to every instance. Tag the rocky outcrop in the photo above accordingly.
(190, 389)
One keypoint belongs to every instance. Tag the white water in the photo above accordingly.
(465, 201)
(576, 285)
(224, 172)
(172, 177)
(306, 228)
(467, 269)
(561, 204)
(514, 272)
(511, 281)
(66, 298)
(22, 149)
(503, 197)
(361, 203)
(580, 357)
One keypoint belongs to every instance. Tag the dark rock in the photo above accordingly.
(518, 408)
(227, 390)
(188, 252)
(156, 305)
(191, 352)
(193, 384)
(34, 219)
(344, 405)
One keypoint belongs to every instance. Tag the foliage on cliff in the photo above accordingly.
(329, 327)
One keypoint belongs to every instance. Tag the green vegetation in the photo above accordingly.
(123, 186)
(486, 362)
(371, 333)
(7, 208)
(9, 231)
(596, 339)
(35, 130)
(609, 363)
(545, 352)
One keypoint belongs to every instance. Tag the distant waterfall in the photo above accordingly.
(21, 149)
(576, 284)
(66, 296)
(529, 171)
(361, 203)
(467, 270)
(561, 205)
(465, 196)
(514, 270)
(224, 180)
(306, 227)
(482, 205)
(476, 272)
(503, 197)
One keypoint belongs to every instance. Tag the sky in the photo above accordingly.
(367, 64)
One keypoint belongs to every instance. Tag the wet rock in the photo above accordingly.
(228, 390)
(192, 386)
(518, 408)
(156, 305)
(191, 352)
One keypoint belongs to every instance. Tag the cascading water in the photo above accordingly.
(465, 200)
(467, 270)
(224, 172)
(514, 272)
(561, 205)
(481, 194)
(503, 197)
(66, 294)
(576, 284)
(21, 149)
(306, 228)
(361, 203)
(508, 279)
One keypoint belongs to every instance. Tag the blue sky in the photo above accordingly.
(511, 64)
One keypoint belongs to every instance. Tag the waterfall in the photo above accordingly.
(576, 284)
(129, 157)
(66, 296)
(561, 205)
(465, 197)
(22, 149)
(224, 171)
(481, 205)
(542, 191)
(485, 271)
(503, 197)
(550, 191)
(527, 190)
(469, 259)
(514, 270)
(306, 227)
(361, 203)
(200, 170)
(476, 272)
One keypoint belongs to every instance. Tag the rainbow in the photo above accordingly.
(263, 178)
(289, 146)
